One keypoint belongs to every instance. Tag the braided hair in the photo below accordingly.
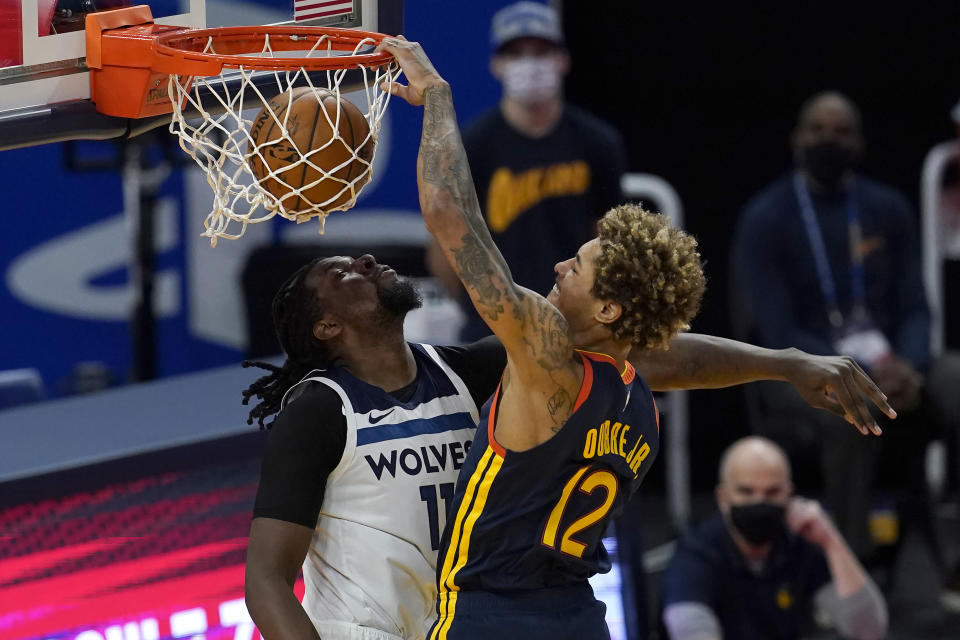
(295, 310)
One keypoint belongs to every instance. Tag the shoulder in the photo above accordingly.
(487, 351)
(479, 365)
(879, 197)
(590, 129)
(310, 403)
(698, 564)
(305, 445)
(704, 543)
(488, 121)
(586, 121)
(312, 393)
(702, 553)
(603, 365)
(875, 189)
(607, 387)
(602, 369)
(308, 436)
(767, 206)
(766, 218)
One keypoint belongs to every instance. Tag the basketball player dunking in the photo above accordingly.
(573, 428)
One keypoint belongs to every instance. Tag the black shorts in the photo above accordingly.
(557, 613)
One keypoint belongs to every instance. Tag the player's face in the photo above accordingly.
(361, 288)
(572, 292)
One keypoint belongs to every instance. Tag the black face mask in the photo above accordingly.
(827, 162)
(759, 522)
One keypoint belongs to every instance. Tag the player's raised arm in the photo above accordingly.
(532, 330)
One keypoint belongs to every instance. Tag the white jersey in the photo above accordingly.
(371, 568)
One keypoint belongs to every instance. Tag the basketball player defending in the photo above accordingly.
(573, 429)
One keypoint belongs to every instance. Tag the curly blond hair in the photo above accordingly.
(653, 270)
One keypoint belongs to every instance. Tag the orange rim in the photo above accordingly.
(182, 51)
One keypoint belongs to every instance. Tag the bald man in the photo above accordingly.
(757, 569)
(828, 261)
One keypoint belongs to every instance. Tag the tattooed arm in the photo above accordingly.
(534, 333)
(833, 383)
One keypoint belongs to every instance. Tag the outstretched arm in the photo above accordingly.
(834, 383)
(533, 332)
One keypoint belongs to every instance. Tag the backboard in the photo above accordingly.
(44, 81)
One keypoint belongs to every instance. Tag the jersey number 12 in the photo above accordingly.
(586, 483)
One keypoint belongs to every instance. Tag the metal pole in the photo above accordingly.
(648, 186)
(142, 178)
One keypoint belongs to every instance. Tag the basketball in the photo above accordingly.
(338, 158)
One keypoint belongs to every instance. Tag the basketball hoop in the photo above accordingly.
(211, 80)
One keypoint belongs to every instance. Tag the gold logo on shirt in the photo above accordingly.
(784, 599)
(871, 244)
(511, 194)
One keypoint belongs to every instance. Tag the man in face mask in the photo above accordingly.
(827, 142)
(827, 260)
(757, 569)
(544, 170)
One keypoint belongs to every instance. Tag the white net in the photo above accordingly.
(274, 169)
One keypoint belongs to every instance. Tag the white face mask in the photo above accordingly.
(531, 79)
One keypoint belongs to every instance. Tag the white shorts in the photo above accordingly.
(338, 630)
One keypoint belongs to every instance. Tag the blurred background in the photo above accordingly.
(704, 96)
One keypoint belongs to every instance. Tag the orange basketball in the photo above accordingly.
(310, 126)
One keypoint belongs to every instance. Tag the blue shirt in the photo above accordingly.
(778, 294)
(708, 568)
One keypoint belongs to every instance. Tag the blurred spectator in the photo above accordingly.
(757, 569)
(544, 170)
(828, 261)
(87, 377)
(20, 386)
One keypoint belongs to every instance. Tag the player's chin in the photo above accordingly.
(552, 296)
(398, 295)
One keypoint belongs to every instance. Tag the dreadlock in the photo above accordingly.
(295, 310)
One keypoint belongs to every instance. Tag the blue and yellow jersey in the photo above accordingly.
(534, 519)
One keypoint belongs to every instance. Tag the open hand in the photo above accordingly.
(838, 384)
(416, 67)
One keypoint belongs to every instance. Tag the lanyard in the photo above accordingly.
(824, 273)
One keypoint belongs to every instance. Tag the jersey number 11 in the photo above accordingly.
(428, 494)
